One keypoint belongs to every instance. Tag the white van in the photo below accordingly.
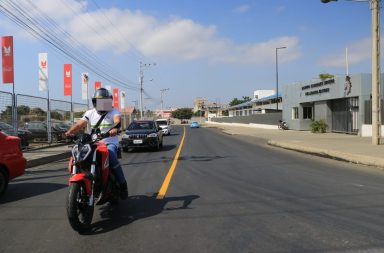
(164, 125)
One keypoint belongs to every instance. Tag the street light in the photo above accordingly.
(376, 97)
(277, 79)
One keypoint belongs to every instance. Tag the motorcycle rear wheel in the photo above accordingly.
(79, 213)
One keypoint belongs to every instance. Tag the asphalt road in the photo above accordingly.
(227, 194)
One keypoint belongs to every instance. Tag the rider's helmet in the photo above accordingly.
(102, 100)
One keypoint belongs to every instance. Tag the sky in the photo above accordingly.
(215, 50)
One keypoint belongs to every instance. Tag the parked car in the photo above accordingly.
(61, 126)
(24, 135)
(195, 124)
(164, 125)
(142, 134)
(39, 131)
(12, 162)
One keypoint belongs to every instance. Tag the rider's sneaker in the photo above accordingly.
(123, 191)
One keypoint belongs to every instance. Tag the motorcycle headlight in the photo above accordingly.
(81, 152)
(152, 135)
(94, 137)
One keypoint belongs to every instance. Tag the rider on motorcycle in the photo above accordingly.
(102, 103)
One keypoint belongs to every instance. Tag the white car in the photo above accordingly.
(164, 125)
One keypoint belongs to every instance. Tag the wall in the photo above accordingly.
(266, 119)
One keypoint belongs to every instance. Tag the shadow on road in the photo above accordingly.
(136, 208)
(17, 192)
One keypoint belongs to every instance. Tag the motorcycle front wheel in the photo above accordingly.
(79, 213)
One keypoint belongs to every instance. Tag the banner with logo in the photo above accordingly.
(7, 57)
(43, 71)
(116, 98)
(84, 86)
(97, 85)
(122, 100)
(67, 79)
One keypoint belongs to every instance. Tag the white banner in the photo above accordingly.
(122, 100)
(84, 86)
(43, 71)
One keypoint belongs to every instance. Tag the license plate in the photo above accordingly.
(137, 141)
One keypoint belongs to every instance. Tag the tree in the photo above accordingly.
(38, 111)
(23, 110)
(237, 101)
(182, 113)
(325, 76)
(198, 113)
(6, 115)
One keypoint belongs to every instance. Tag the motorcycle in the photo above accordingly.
(282, 125)
(91, 181)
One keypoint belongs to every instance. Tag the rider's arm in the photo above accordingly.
(75, 128)
(117, 122)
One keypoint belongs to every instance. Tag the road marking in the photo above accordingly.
(167, 180)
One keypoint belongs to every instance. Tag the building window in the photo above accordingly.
(307, 112)
(295, 112)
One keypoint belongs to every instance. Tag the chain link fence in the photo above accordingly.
(35, 121)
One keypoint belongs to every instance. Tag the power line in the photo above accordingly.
(49, 32)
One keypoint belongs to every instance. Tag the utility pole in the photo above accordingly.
(376, 97)
(162, 101)
(142, 65)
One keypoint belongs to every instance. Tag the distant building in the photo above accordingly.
(264, 101)
(259, 94)
(164, 114)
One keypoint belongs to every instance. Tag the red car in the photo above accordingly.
(12, 162)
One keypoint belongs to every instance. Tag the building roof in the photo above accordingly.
(251, 102)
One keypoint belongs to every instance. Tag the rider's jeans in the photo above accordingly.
(114, 163)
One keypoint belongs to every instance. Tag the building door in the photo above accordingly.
(345, 115)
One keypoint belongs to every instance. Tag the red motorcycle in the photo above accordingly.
(91, 181)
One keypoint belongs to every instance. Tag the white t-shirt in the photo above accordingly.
(92, 117)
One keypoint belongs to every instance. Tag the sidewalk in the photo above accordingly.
(36, 157)
(345, 147)
(350, 148)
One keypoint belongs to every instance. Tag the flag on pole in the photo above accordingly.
(7, 57)
(43, 71)
(84, 86)
(122, 100)
(116, 98)
(97, 85)
(67, 79)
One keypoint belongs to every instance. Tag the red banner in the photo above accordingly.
(116, 98)
(67, 79)
(7, 56)
(97, 85)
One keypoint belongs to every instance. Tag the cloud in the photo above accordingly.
(124, 30)
(358, 52)
(242, 9)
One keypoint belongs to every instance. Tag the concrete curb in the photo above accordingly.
(358, 159)
(48, 159)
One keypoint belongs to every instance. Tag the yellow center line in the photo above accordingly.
(167, 180)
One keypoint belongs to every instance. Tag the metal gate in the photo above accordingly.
(345, 115)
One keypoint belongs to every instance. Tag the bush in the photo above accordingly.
(319, 126)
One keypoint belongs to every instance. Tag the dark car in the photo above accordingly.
(142, 134)
(39, 131)
(24, 135)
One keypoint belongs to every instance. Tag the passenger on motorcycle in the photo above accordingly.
(102, 103)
